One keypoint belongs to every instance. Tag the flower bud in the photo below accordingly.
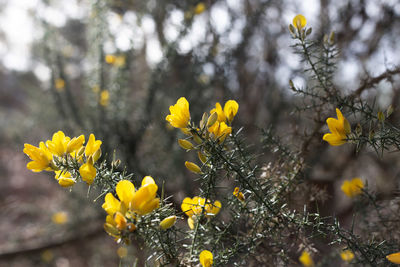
(202, 157)
(168, 222)
(193, 167)
(381, 116)
(185, 144)
(212, 119)
(96, 155)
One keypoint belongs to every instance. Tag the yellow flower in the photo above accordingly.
(306, 259)
(347, 255)
(104, 98)
(59, 84)
(58, 145)
(93, 148)
(200, 7)
(395, 257)
(220, 131)
(75, 144)
(239, 195)
(88, 172)
(60, 217)
(142, 201)
(120, 221)
(41, 157)
(352, 188)
(220, 112)
(231, 108)
(193, 207)
(180, 116)
(192, 167)
(299, 22)
(64, 178)
(339, 128)
(206, 258)
(168, 222)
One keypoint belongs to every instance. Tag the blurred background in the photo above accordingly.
(113, 68)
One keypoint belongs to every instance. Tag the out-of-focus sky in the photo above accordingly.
(19, 22)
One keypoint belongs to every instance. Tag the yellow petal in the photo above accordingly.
(347, 255)
(111, 204)
(231, 107)
(306, 259)
(120, 220)
(125, 191)
(333, 139)
(186, 206)
(88, 173)
(395, 257)
(206, 258)
(148, 180)
(299, 21)
(190, 222)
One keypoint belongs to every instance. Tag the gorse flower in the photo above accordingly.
(220, 131)
(352, 188)
(131, 203)
(305, 259)
(340, 129)
(299, 21)
(394, 258)
(64, 178)
(41, 157)
(61, 150)
(104, 98)
(180, 116)
(347, 255)
(230, 110)
(194, 207)
(206, 258)
(239, 195)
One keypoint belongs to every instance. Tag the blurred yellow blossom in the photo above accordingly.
(299, 21)
(219, 111)
(59, 84)
(347, 255)
(200, 8)
(110, 59)
(60, 217)
(47, 256)
(180, 116)
(306, 259)
(352, 188)
(206, 258)
(339, 128)
(122, 252)
(220, 131)
(394, 258)
(104, 98)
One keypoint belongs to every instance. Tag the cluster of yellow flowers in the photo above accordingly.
(61, 149)
(196, 206)
(130, 205)
(214, 128)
